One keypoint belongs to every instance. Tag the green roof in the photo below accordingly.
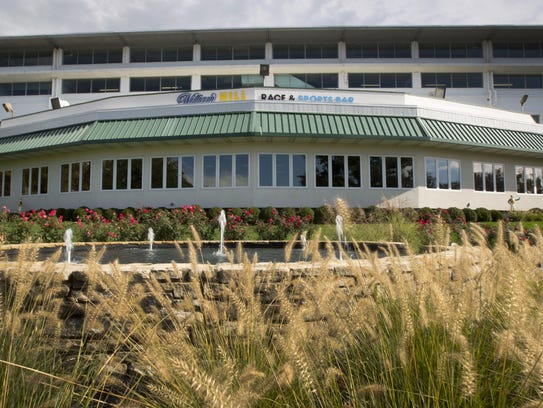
(273, 124)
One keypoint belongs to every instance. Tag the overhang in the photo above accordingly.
(275, 124)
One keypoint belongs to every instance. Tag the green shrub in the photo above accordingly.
(268, 213)
(469, 214)
(324, 215)
(456, 214)
(306, 212)
(213, 213)
(483, 214)
(497, 215)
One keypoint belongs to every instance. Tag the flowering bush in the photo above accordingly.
(282, 225)
(175, 224)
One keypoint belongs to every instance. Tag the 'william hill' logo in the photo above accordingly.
(192, 98)
(232, 96)
(187, 98)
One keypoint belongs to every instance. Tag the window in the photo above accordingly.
(306, 80)
(5, 183)
(305, 51)
(226, 170)
(161, 54)
(172, 172)
(92, 56)
(391, 172)
(442, 174)
(122, 174)
(455, 50)
(517, 50)
(210, 82)
(26, 58)
(75, 177)
(34, 181)
(155, 84)
(529, 179)
(25, 88)
(338, 171)
(376, 50)
(281, 170)
(488, 177)
(398, 80)
(236, 52)
(95, 85)
(456, 80)
(518, 81)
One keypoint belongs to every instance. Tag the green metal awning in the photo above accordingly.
(483, 136)
(257, 124)
(273, 124)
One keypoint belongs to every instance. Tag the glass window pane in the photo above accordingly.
(210, 168)
(329, 51)
(152, 84)
(296, 51)
(187, 172)
(403, 50)
(34, 180)
(33, 88)
(7, 183)
(478, 177)
(517, 81)
(428, 80)
(115, 56)
(137, 54)
(354, 176)
(443, 174)
(338, 171)
(298, 170)
(265, 170)
(386, 51)
(431, 174)
(240, 52)
(500, 180)
(280, 51)
(391, 165)
(370, 51)
(169, 54)
(519, 174)
(459, 80)
(474, 50)
(388, 81)
(153, 55)
(107, 175)
(329, 80)
(257, 52)
(313, 51)
(84, 57)
(242, 170)
(136, 174)
(225, 170)
(25, 185)
(224, 53)
(19, 88)
(475, 80)
(354, 51)
(5, 89)
(157, 172)
(122, 174)
(356, 80)
(454, 168)
(209, 82)
(172, 172)
(64, 178)
(376, 171)
(321, 171)
(282, 170)
(83, 85)
(85, 176)
(529, 179)
(407, 172)
(44, 177)
(426, 50)
(137, 84)
(75, 177)
(534, 81)
(539, 180)
(100, 57)
(489, 177)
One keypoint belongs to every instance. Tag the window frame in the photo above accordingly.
(382, 172)
(346, 171)
(34, 184)
(5, 182)
(449, 173)
(275, 170)
(129, 177)
(82, 179)
(218, 175)
(495, 179)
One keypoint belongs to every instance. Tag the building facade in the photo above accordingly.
(411, 116)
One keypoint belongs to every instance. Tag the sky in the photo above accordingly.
(41, 17)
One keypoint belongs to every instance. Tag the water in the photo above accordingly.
(166, 253)
(222, 225)
(68, 244)
(150, 237)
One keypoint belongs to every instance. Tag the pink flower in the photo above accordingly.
(52, 213)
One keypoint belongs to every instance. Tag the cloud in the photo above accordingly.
(35, 17)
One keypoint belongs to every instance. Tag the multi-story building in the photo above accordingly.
(419, 116)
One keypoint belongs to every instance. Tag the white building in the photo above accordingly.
(281, 117)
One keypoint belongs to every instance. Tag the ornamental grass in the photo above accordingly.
(460, 327)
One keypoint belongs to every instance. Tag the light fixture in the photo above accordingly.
(264, 69)
(8, 108)
(57, 103)
(440, 92)
(523, 101)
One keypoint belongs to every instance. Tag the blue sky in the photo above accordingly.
(35, 17)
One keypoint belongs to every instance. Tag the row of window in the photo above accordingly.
(274, 170)
(280, 51)
(210, 82)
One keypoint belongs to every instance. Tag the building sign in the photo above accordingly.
(263, 94)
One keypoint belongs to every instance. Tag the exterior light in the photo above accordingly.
(523, 101)
(8, 108)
